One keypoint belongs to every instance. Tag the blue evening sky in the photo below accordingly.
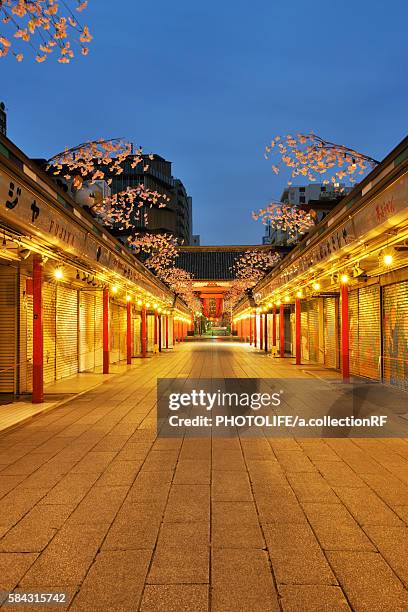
(208, 84)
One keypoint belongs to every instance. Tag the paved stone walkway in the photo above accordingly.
(94, 505)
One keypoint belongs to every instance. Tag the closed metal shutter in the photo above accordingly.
(313, 322)
(395, 335)
(98, 329)
(49, 326)
(118, 332)
(150, 332)
(137, 324)
(123, 329)
(26, 338)
(304, 331)
(353, 333)
(330, 332)
(369, 333)
(66, 332)
(86, 331)
(114, 332)
(8, 329)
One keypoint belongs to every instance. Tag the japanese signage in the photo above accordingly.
(392, 202)
(24, 209)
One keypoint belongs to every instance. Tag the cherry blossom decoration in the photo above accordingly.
(44, 26)
(290, 219)
(249, 269)
(89, 160)
(125, 208)
(310, 156)
(160, 248)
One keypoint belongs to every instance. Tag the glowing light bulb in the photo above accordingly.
(58, 273)
(388, 259)
(298, 294)
(128, 298)
(287, 298)
(114, 288)
(344, 278)
(316, 286)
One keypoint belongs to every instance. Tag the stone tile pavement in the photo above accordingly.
(93, 504)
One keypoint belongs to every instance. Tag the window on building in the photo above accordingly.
(302, 199)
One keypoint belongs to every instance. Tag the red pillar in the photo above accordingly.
(345, 357)
(160, 333)
(128, 334)
(297, 332)
(167, 331)
(174, 326)
(38, 338)
(144, 339)
(261, 331)
(250, 329)
(182, 331)
(282, 330)
(255, 332)
(105, 330)
(274, 326)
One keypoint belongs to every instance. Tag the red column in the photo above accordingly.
(345, 357)
(282, 330)
(105, 330)
(128, 334)
(297, 332)
(174, 326)
(160, 333)
(167, 331)
(255, 332)
(274, 326)
(155, 328)
(261, 331)
(143, 339)
(250, 329)
(38, 338)
(183, 331)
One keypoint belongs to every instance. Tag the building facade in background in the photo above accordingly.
(156, 174)
(317, 198)
(3, 119)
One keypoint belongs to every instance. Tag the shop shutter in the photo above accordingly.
(86, 331)
(66, 332)
(369, 334)
(278, 331)
(122, 332)
(137, 323)
(304, 331)
(313, 324)
(114, 332)
(353, 333)
(395, 335)
(98, 343)
(8, 329)
(330, 332)
(49, 327)
(26, 338)
(150, 332)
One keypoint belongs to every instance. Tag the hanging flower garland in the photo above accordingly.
(90, 160)
(124, 209)
(309, 156)
(290, 219)
(249, 269)
(161, 248)
(45, 26)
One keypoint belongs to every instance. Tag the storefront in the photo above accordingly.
(350, 279)
(68, 290)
